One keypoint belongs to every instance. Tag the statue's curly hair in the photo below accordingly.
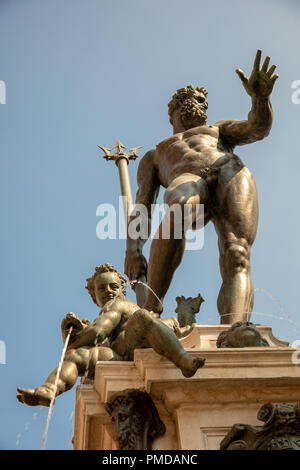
(182, 95)
(103, 268)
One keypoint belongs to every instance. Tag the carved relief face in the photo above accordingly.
(244, 334)
(192, 112)
(286, 414)
(129, 425)
(107, 287)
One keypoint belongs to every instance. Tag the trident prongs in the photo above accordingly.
(133, 152)
(120, 153)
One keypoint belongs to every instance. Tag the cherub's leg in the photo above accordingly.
(74, 364)
(107, 354)
(144, 330)
(236, 224)
(100, 353)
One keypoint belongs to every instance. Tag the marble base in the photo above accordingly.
(198, 411)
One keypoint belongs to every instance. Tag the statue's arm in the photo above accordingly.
(98, 331)
(258, 125)
(148, 189)
(183, 331)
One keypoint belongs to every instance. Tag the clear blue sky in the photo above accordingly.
(80, 74)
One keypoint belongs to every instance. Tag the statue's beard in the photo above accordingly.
(192, 114)
(130, 436)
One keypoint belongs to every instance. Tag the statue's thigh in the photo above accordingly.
(80, 357)
(186, 189)
(236, 208)
(106, 354)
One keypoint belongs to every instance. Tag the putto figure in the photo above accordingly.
(197, 165)
(120, 328)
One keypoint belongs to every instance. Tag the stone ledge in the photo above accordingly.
(205, 336)
(198, 411)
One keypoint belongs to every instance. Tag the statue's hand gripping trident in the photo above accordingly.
(122, 160)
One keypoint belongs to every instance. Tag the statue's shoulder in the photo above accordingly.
(147, 161)
(168, 141)
(121, 305)
(149, 156)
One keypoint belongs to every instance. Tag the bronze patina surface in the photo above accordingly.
(197, 165)
(242, 334)
(120, 328)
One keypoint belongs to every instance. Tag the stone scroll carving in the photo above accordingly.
(281, 430)
(136, 420)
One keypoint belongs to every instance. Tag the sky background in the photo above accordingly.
(79, 74)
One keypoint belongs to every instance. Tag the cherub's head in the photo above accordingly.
(187, 108)
(106, 284)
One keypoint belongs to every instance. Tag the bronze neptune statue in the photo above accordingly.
(197, 165)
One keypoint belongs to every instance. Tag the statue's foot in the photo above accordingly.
(40, 396)
(191, 365)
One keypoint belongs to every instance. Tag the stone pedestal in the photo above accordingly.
(199, 411)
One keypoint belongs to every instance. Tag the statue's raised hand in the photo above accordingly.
(261, 81)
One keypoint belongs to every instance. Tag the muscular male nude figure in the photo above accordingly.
(197, 165)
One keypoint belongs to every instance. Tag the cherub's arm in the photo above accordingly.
(183, 331)
(77, 324)
(98, 331)
(173, 324)
(259, 123)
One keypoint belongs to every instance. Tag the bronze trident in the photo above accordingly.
(122, 160)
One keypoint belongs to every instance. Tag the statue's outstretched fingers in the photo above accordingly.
(242, 76)
(257, 60)
(265, 64)
(271, 70)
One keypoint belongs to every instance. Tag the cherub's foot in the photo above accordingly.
(40, 396)
(191, 365)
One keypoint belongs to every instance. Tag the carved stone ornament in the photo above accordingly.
(136, 419)
(281, 430)
(242, 334)
(187, 308)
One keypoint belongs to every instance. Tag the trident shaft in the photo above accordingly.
(122, 160)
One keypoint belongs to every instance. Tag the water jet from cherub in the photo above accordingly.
(55, 389)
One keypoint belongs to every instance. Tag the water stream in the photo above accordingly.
(151, 290)
(55, 389)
